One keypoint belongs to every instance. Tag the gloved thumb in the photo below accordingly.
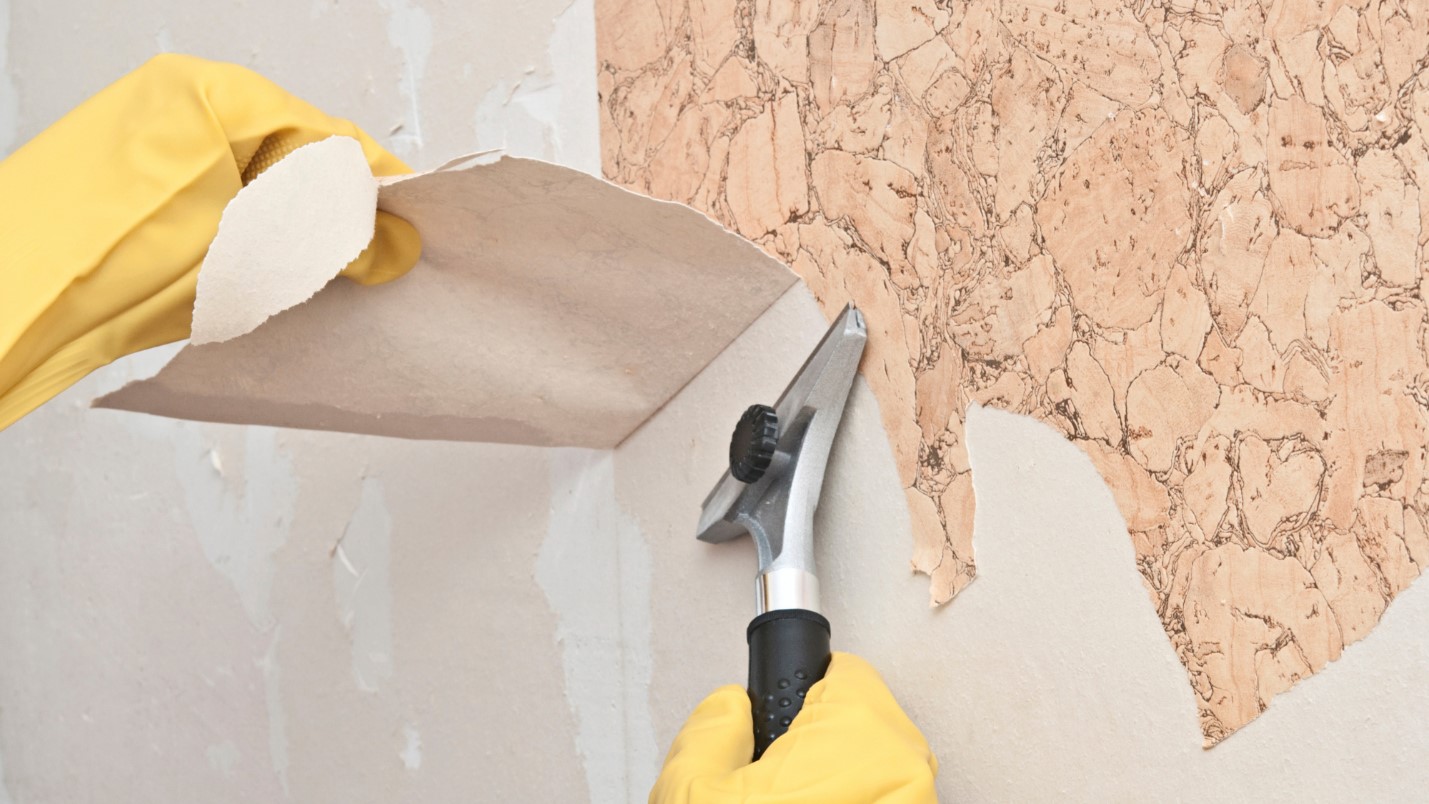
(717, 738)
(394, 249)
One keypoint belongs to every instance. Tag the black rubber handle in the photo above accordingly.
(788, 652)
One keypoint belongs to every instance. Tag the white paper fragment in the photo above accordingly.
(549, 307)
(284, 237)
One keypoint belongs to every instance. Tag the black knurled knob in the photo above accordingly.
(752, 447)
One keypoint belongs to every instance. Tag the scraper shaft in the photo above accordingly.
(778, 456)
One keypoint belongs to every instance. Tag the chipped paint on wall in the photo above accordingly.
(411, 753)
(594, 568)
(361, 579)
(239, 495)
(409, 29)
(527, 115)
(520, 118)
(572, 57)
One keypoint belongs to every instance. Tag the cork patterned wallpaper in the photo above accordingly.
(1186, 234)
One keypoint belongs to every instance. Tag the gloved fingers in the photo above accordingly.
(717, 738)
(394, 249)
(107, 215)
(850, 742)
(853, 682)
(395, 245)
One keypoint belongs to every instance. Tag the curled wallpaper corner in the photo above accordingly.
(549, 307)
(284, 237)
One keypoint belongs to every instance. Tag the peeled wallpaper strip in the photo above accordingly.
(549, 307)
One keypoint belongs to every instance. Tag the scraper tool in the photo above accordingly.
(777, 458)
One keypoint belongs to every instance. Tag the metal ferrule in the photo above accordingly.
(786, 588)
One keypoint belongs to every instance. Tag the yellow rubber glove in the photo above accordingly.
(850, 743)
(106, 215)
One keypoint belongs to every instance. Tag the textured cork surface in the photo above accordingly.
(1186, 234)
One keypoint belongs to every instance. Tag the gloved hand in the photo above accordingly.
(850, 743)
(106, 215)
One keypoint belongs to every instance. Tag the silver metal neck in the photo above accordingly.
(786, 588)
(777, 507)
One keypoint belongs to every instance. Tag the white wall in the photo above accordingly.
(202, 612)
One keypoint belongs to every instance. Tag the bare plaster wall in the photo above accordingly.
(203, 612)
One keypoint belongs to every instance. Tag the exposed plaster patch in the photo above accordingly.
(242, 519)
(411, 752)
(520, 118)
(361, 570)
(525, 117)
(594, 568)
(409, 29)
(572, 56)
